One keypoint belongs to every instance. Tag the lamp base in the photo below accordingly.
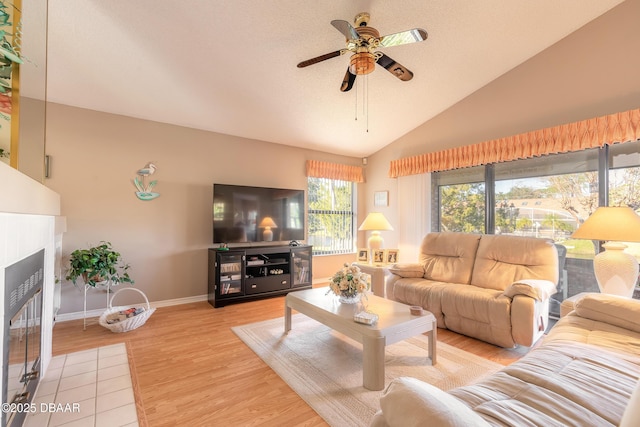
(616, 271)
(267, 234)
(375, 241)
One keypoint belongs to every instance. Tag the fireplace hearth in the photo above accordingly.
(22, 336)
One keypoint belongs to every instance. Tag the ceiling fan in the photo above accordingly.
(363, 42)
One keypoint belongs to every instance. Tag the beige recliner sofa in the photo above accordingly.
(492, 287)
(584, 373)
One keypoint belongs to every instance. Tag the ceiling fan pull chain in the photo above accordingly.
(356, 97)
(364, 93)
(366, 82)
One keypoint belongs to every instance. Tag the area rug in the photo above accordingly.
(325, 367)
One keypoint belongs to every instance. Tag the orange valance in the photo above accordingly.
(591, 133)
(318, 169)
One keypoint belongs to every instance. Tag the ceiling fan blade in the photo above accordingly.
(398, 70)
(346, 29)
(404, 37)
(347, 82)
(319, 59)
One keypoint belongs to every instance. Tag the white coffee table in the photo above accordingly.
(395, 324)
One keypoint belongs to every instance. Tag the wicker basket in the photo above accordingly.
(130, 323)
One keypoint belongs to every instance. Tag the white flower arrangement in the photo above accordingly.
(349, 281)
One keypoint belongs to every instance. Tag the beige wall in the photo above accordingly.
(95, 157)
(590, 73)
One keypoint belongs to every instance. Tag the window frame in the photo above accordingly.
(603, 166)
(348, 215)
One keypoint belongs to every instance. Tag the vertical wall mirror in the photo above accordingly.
(23, 74)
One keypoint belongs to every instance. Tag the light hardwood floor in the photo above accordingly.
(191, 369)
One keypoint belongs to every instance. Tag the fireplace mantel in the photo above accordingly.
(28, 223)
(23, 195)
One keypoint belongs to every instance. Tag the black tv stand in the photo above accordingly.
(250, 273)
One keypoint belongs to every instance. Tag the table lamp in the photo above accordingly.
(267, 223)
(616, 271)
(375, 222)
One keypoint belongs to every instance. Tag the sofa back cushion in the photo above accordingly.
(449, 257)
(502, 260)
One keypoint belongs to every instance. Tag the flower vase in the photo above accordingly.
(349, 298)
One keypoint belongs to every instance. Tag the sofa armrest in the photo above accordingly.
(409, 402)
(611, 309)
(540, 290)
(407, 270)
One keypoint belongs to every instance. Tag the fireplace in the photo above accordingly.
(22, 336)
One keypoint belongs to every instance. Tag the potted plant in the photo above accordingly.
(97, 265)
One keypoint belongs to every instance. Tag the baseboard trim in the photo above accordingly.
(64, 317)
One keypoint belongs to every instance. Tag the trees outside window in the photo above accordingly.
(331, 216)
(462, 208)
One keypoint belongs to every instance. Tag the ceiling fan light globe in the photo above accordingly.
(362, 63)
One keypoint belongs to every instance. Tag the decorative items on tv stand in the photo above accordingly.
(241, 274)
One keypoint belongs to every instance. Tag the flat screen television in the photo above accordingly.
(247, 215)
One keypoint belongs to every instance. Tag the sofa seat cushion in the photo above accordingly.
(478, 312)
(469, 310)
(422, 292)
(449, 257)
(559, 383)
(503, 260)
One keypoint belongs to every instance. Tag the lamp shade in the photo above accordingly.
(618, 224)
(267, 221)
(375, 221)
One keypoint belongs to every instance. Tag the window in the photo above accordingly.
(331, 216)
(461, 199)
(547, 196)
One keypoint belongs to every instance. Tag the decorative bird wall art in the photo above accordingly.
(144, 190)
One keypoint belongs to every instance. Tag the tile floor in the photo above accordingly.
(89, 388)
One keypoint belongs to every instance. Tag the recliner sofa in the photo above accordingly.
(583, 373)
(492, 287)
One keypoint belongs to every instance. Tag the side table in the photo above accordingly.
(378, 275)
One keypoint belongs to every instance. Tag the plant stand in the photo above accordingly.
(86, 288)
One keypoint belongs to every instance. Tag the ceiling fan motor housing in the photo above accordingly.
(367, 33)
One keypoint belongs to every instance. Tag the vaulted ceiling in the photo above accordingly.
(229, 66)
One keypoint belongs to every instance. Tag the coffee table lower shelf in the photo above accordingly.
(395, 323)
